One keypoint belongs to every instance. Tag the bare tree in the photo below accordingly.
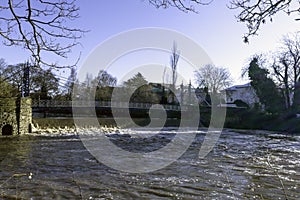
(291, 45)
(281, 73)
(182, 5)
(258, 12)
(286, 66)
(175, 54)
(213, 78)
(40, 26)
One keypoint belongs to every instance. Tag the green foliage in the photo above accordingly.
(100, 87)
(241, 103)
(13, 74)
(104, 79)
(144, 94)
(7, 90)
(257, 120)
(248, 119)
(136, 81)
(43, 83)
(265, 88)
(104, 93)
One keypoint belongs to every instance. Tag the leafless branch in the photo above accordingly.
(182, 5)
(40, 26)
(256, 13)
(214, 78)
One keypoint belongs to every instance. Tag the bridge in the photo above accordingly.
(55, 108)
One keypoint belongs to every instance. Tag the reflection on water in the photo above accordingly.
(241, 166)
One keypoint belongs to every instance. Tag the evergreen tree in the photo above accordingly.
(136, 81)
(142, 91)
(265, 88)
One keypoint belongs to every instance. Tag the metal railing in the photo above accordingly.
(109, 104)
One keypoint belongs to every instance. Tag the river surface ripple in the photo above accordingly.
(241, 166)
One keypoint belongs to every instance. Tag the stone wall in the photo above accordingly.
(25, 116)
(15, 115)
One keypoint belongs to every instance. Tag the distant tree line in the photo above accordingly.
(275, 79)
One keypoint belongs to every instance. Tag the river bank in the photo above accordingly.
(253, 120)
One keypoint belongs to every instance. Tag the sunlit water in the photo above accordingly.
(241, 166)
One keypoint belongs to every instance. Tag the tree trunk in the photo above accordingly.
(296, 102)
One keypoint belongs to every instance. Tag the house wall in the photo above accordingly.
(245, 94)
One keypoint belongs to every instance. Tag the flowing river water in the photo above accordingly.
(241, 166)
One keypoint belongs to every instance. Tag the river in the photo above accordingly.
(241, 166)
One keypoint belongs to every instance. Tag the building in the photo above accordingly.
(244, 93)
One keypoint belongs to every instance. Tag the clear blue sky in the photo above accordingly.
(215, 29)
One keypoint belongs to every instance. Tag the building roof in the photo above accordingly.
(236, 87)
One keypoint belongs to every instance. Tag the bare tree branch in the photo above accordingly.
(40, 26)
(182, 5)
(213, 78)
(256, 13)
(174, 57)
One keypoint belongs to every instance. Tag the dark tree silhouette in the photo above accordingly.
(265, 88)
(296, 104)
